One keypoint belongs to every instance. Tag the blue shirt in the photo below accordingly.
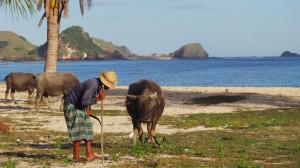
(84, 94)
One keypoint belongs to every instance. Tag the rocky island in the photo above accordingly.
(191, 51)
(289, 54)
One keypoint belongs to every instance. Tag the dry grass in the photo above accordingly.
(4, 129)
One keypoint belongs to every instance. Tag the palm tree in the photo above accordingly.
(53, 13)
(19, 7)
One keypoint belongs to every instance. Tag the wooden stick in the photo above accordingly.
(102, 90)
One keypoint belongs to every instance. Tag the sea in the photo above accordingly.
(213, 72)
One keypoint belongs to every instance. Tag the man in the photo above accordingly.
(77, 111)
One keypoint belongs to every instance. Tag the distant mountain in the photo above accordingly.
(112, 49)
(76, 44)
(15, 47)
(191, 51)
(289, 54)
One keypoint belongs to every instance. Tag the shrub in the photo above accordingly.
(4, 129)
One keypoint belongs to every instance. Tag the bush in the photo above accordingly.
(4, 129)
(3, 44)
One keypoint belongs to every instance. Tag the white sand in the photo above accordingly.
(176, 98)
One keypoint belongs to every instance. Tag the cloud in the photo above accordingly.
(191, 7)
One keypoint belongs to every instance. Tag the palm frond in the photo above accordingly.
(66, 9)
(18, 8)
(81, 6)
(39, 5)
(89, 3)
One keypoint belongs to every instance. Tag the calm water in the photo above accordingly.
(256, 72)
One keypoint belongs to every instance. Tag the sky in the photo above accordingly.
(224, 28)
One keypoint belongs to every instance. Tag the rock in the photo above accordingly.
(289, 54)
(191, 51)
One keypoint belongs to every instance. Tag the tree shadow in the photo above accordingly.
(50, 146)
(18, 107)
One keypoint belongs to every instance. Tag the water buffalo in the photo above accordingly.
(145, 103)
(54, 84)
(20, 82)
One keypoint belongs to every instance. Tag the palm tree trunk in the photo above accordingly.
(52, 39)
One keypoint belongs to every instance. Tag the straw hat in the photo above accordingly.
(109, 79)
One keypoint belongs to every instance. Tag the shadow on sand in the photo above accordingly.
(25, 155)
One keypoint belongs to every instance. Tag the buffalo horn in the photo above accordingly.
(132, 97)
(154, 95)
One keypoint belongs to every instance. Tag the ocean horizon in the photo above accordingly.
(213, 72)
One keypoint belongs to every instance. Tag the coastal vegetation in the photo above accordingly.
(15, 48)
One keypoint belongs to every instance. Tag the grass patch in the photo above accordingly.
(242, 148)
(206, 101)
(238, 120)
(110, 112)
(269, 138)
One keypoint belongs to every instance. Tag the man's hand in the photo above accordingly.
(89, 111)
(101, 95)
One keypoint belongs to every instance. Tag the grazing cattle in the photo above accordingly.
(20, 82)
(145, 104)
(54, 84)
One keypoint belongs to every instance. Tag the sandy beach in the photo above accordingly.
(176, 104)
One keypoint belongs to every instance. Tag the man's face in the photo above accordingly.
(105, 87)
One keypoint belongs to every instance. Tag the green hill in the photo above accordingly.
(76, 44)
(15, 47)
(110, 48)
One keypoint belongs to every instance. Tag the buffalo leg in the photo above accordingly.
(45, 99)
(30, 96)
(149, 126)
(152, 131)
(12, 94)
(137, 131)
(6, 94)
(140, 132)
(37, 101)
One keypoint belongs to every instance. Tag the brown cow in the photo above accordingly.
(54, 84)
(20, 82)
(145, 104)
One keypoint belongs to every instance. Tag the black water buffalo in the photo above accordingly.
(20, 82)
(54, 84)
(145, 103)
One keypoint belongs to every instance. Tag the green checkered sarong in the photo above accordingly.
(79, 124)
